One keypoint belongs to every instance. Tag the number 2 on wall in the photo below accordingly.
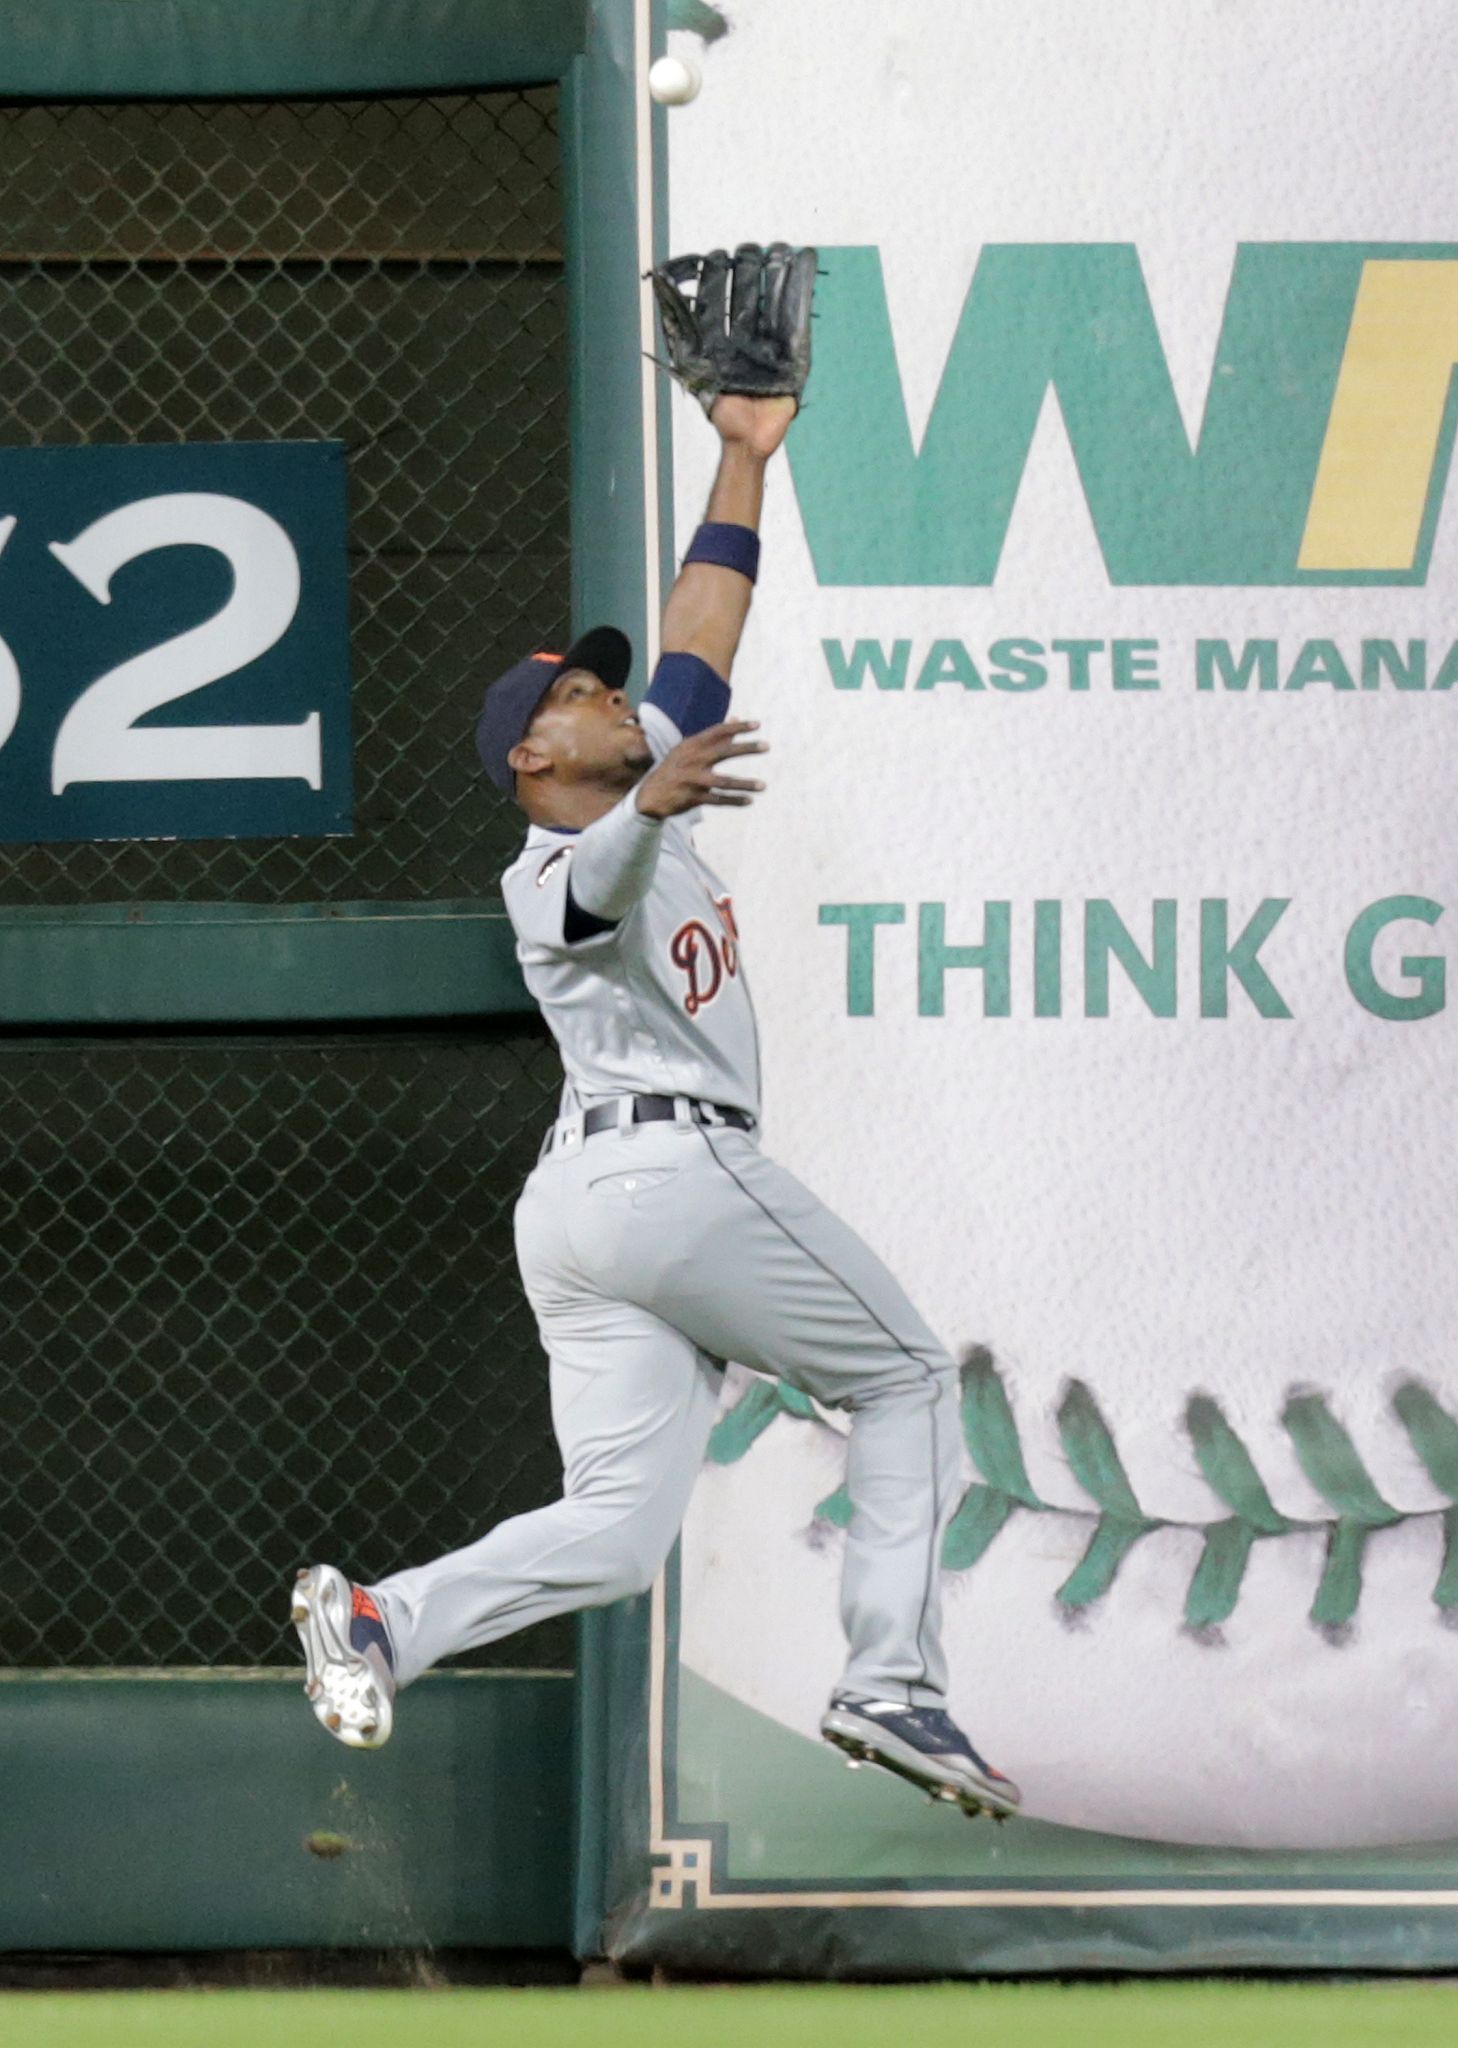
(99, 740)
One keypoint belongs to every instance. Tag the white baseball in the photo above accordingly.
(674, 81)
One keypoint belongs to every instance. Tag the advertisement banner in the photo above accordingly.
(1096, 915)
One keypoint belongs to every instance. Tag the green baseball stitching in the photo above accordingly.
(1324, 1450)
(699, 18)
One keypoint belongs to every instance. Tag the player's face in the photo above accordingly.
(589, 732)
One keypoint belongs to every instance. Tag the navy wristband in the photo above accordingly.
(725, 547)
(689, 692)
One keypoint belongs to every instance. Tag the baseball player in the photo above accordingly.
(655, 1238)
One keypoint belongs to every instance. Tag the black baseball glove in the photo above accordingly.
(738, 323)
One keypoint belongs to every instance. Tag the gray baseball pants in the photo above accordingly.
(649, 1255)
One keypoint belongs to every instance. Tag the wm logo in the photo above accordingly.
(1321, 458)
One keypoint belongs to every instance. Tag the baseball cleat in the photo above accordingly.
(349, 1660)
(925, 1746)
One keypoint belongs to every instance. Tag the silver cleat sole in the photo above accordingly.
(863, 1742)
(340, 1685)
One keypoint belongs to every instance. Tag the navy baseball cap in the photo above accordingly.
(512, 700)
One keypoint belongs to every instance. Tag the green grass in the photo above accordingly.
(1392, 2014)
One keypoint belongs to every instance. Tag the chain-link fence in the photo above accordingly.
(257, 1295)
(383, 272)
(259, 1305)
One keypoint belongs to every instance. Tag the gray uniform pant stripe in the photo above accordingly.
(647, 1257)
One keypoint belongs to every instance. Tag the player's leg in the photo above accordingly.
(752, 1266)
(632, 1405)
(759, 1270)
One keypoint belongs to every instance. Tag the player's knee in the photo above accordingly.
(627, 1566)
(625, 1581)
(907, 1376)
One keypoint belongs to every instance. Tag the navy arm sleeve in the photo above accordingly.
(689, 692)
(579, 924)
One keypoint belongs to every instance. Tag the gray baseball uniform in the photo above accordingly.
(652, 1252)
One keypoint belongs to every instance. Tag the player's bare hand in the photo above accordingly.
(757, 424)
(688, 776)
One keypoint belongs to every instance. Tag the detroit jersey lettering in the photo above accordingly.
(657, 1004)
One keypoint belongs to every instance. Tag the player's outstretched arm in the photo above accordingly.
(614, 860)
(709, 602)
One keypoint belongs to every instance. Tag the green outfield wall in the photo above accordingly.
(271, 1102)
(202, 1810)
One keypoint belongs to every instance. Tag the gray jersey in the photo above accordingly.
(656, 1004)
